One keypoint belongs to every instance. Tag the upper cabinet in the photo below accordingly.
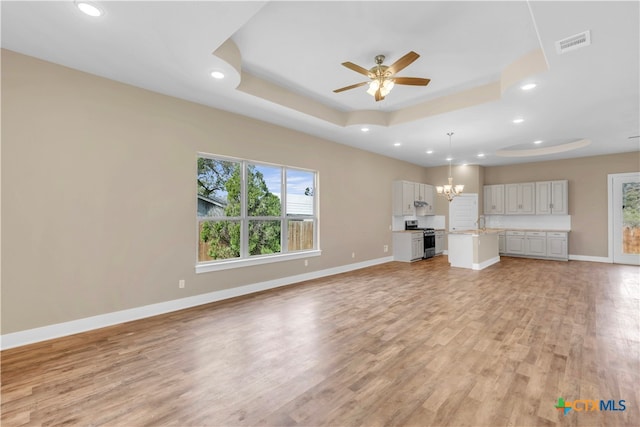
(494, 199)
(520, 198)
(403, 198)
(418, 191)
(552, 198)
(406, 194)
(424, 193)
(430, 198)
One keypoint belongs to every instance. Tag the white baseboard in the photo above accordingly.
(30, 336)
(590, 258)
(485, 264)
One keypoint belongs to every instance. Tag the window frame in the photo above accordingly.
(245, 258)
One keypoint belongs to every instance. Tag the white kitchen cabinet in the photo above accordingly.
(502, 244)
(515, 242)
(494, 199)
(424, 193)
(520, 198)
(552, 197)
(403, 198)
(535, 243)
(418, 191)
(430, 198)
(557, 245)
(406, 194)
(408, 246)
(417, 246)
(439, 241)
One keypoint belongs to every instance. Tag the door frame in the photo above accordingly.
(470, 196)
(610, 179)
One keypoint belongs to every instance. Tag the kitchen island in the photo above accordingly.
(474, 249)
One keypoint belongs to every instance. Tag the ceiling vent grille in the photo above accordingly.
(574, 42)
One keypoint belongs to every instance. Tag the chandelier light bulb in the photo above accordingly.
(449, 190)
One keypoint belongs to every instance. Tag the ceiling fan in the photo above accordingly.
(382, 76)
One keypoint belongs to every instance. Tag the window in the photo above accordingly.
(251, 213)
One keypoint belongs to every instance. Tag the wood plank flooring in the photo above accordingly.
(397, 344)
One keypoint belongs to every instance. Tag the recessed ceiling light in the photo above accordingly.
(89, 8)
(429, 151)
(518, 120)
(396, 144)
(217, 75)
(528, 86)
(364, 129)
(464, 164)
(480, 154)
(448, 159)
(537, 142)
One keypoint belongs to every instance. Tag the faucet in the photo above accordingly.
(481, 223)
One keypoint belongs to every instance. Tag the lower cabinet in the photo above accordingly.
(408, 246)
(514, 242)
(439, 242)
(502, 242)
(537, 244)
(557, 245)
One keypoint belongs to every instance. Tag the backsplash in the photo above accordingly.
(535, 222)
(430, 221)
(542, 222)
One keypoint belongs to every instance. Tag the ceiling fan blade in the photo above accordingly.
(342, 89)
(414, 81)
(402, 62)
(356, 68)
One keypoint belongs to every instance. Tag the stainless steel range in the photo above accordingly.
(429, 237)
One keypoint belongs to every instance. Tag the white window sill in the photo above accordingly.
(246, 262)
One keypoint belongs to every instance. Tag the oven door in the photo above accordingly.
(429, 245)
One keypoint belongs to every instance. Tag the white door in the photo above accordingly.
(463, 212)
(624, 231)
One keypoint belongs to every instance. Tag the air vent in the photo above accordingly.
(574, 42)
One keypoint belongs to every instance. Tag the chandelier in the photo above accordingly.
(449, 190)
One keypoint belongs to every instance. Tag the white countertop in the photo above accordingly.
(477, 232)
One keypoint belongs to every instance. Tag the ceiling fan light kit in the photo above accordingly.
(383, 77)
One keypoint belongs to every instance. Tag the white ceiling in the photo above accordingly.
(290, 63)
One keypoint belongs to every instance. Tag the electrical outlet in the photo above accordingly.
(386, 248)
(181, 283)
(306, 262)
(353, 254)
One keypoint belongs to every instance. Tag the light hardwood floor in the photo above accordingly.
(396, 344)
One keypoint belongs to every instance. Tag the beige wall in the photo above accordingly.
(587, 193)
(98, 194)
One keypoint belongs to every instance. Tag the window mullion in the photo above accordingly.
(244, 234)
(284, 229)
